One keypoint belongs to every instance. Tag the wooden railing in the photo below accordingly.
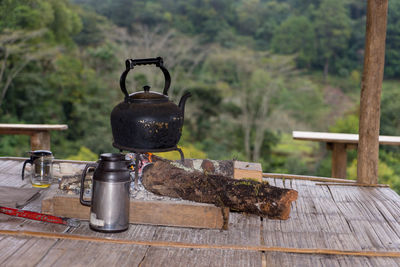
(339, 143)
(39, 133)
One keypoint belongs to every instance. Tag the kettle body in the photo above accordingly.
(109, 205)
(147, 119)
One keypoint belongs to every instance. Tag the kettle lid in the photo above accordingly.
(147, 96)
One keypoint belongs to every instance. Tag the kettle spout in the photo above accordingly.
(182, 102)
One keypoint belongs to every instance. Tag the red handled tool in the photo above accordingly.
(39, 216)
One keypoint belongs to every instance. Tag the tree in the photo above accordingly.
(17, 50)
(260, 19)
(296, 36)
(253, 80)
(332, 24)
(181, 55)
(392, 55)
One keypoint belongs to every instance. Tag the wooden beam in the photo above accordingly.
(18, 128)
(39, 133)
(339, 160)
(154, 212)
(342, 138)
(243, 170)
(40, 141)
(371, 87)
(306, 178)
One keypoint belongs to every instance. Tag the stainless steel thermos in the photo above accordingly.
(109, 206)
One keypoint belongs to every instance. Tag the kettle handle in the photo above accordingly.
(87, 167)
(30, 161)
(131, 63)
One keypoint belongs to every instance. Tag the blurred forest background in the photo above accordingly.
(257, 69)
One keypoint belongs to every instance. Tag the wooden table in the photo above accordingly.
(330, 217)
(39, 133)
(339, 143)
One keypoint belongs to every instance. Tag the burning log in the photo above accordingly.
(169, 178)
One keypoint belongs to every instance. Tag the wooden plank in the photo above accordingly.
(325, 219)
(182, 257)
(243, 230)
(83, 253)
(8, 246)
(14, 180)
(371, 87)
(11, 167)
(35, 127)
(305, 177)
(184, 214)
(275, 259)
(247, 170)
(326, 137)
(341, 138)
(30, 253)
(15, 223)
(134, 232)
(353, 184)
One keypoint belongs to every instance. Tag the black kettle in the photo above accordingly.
(147, 119)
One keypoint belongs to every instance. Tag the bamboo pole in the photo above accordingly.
(374, 59)
(306, 178)
(154, 243)
(353, 184)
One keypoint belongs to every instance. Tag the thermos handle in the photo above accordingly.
(30, 161)
(87, 167)
(131, 63)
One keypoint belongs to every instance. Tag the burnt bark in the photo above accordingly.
(171, 179)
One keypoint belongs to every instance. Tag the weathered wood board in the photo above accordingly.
(243, 170)
(155, 212)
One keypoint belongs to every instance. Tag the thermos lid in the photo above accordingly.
(112, 156)
(112, 167)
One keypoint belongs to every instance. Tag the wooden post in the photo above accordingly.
(374, 59)
(40, 140)
(339, 160)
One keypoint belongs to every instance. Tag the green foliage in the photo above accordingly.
(189, 148)
(392, 54)
(333, 30)
(296, 35)
(92, 33)
(301, 94)
(386, 174)
(347, 124)
(85, 154)
(390, 108)
(293, 156)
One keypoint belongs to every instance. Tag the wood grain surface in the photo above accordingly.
(371, 88)
(167, 213)
(247, 170)
(326, 218)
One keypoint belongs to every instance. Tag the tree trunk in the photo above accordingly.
(326, 69)
(171, 179)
